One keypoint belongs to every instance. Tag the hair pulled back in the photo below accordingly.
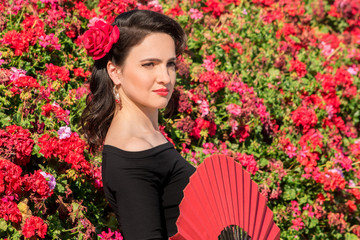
(134, 26)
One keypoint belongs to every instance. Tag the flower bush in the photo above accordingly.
(274, 84)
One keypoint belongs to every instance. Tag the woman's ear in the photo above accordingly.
(114, 72)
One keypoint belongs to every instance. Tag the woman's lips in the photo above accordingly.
(162, 91)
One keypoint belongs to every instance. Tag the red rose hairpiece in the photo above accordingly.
(99, 39)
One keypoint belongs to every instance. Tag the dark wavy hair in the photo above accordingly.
(134, 26)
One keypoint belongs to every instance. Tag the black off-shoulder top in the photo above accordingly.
(145, 188)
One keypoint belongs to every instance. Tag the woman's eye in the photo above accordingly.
(172, 64)
(148, 64)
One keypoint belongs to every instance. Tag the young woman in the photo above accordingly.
(133, 76)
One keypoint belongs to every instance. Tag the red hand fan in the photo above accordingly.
(222, 202)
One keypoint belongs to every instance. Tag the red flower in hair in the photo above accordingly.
(99, 39)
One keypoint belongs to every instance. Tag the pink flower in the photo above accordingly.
(309, 208)
(51, 40)
(17, 73)
(64, 132)
(209, 148)
(353, 70)
(94, 20)
(209, 64)
(297, 224)
(248, 161)
(344, 161)
(327, 50)
(290, 150)
(49, 1)
(193, 159)
(234, 109)
(204, 108)
(195, 13)
(295, 208)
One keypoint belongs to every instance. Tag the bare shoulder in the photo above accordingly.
(135, 144)
(130, 144)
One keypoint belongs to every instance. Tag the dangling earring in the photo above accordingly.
(116, 95)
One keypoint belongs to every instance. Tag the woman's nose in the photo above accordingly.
(164, 75)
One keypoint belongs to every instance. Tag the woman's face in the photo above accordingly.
(148, 73)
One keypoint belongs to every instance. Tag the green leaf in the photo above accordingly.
(350, 236)
(3, 225)
(289, 194)
(4, 119)
(263, 162)
(295, 39)
(313, 222)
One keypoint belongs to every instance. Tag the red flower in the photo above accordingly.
(355, 192)
(304, 117)
(34, 226)
(37, 184)
(247, 161)
(17, 41)
(333, 180)
(215, 6)
(351, 205)
(16, 144)
(26, 82)
(80, 72)
(313, 138)
(215, 81)
(356, 230)
(299, 67)
(84, 11)
(9, 210)
(175, 11)
(34, 28)
(99, 39)
(10, 177)
(202, 124)
(56, 72)
(337, 219)
(61, 114)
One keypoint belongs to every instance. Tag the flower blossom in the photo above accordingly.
(51, 40)
(299, 67)
(50, 179)
(234, 109)
(248, 161)
(297, 224)
(64, 132)
(109, 235)
(34, 226)
(209, 148)
(17, 73)
(209, 64)
(204, 108)
(195, 14)
(353, 70)
(94, 20)
(327, 50)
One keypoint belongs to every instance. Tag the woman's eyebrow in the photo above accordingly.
(157, 59)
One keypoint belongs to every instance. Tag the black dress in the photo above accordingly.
(145, 188)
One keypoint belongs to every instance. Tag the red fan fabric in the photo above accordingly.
(220, 193)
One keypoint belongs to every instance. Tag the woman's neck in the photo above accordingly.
(135, 117)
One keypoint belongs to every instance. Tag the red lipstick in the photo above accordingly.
(162, 91)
